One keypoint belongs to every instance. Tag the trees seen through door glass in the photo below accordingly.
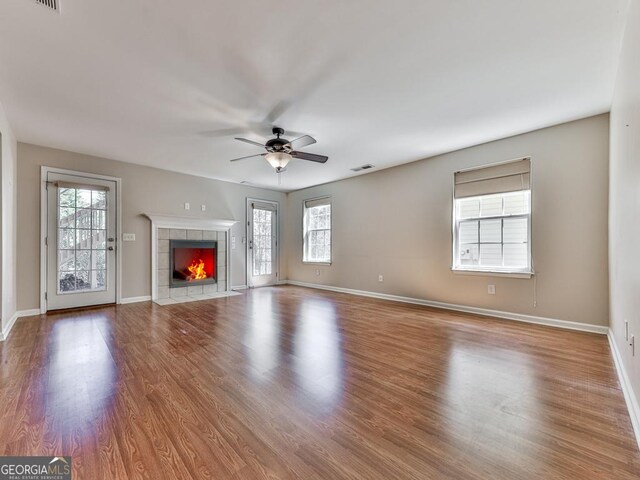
(262, 241)
(82, 239)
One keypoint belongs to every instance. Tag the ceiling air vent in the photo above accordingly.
(52, 4)
(362, 167)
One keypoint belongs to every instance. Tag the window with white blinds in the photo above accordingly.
(492, 218)
(317, 231)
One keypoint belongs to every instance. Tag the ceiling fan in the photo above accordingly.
(280, 151)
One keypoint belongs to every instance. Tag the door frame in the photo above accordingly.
(44, 217)
(247, 225)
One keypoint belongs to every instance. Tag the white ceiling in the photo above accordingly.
(168, 83)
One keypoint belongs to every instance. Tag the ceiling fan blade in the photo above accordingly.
(302, 142)
(277, 111)
(251, 142)
(223, 132)
(250, 156)
(309, 156)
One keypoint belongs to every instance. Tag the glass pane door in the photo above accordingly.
(262, 246)
(81, 241)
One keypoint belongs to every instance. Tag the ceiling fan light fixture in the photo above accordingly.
(278, 160)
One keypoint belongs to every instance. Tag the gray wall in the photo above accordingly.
(624, 214)
(397, 222)
(144, 190)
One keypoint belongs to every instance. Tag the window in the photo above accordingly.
(317, 231)
(82, 234)
(492, 219)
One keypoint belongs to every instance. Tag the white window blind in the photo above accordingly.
(79, 186)
(317, 230)
(492, 218)
(500, 178)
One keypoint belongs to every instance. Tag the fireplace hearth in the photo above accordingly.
(193, 262)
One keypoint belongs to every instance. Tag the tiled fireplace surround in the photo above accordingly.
(164, 262)
(165, 228)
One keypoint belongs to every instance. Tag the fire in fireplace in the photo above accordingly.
(193, 262)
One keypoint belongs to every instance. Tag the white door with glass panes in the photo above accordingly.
(262, 243)
(81, 241)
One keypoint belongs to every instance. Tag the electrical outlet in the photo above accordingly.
(317, 272)
(380, 278)
(233, 243)
(491, 289)
(128, 237)
(187, 206)
(203, 207)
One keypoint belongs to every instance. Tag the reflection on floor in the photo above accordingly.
(194, 298)
(288, 382)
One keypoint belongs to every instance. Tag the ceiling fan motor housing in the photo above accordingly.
(278, 145)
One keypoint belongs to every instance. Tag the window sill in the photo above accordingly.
(317, 263)
(490, 273)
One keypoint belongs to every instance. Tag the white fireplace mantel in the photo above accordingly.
(172, 221)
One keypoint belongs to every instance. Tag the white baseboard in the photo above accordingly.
(246, 287)
(550, 322)
(4, 334)
(143, 298)
(629, 396)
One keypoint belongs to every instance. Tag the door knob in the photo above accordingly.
(110, 239)
(110, 248)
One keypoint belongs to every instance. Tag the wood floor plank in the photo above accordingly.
(289, 382)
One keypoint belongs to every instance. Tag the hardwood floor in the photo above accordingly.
(289, 382)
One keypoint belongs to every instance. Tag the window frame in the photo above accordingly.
(526, 272)
(304, 230)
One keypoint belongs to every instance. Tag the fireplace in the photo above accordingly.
(193, 262)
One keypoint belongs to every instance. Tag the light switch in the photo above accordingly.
(128, 237)
(203, 207)
(626, 330)
(187, 206)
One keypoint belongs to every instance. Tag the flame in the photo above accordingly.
(197, 270)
